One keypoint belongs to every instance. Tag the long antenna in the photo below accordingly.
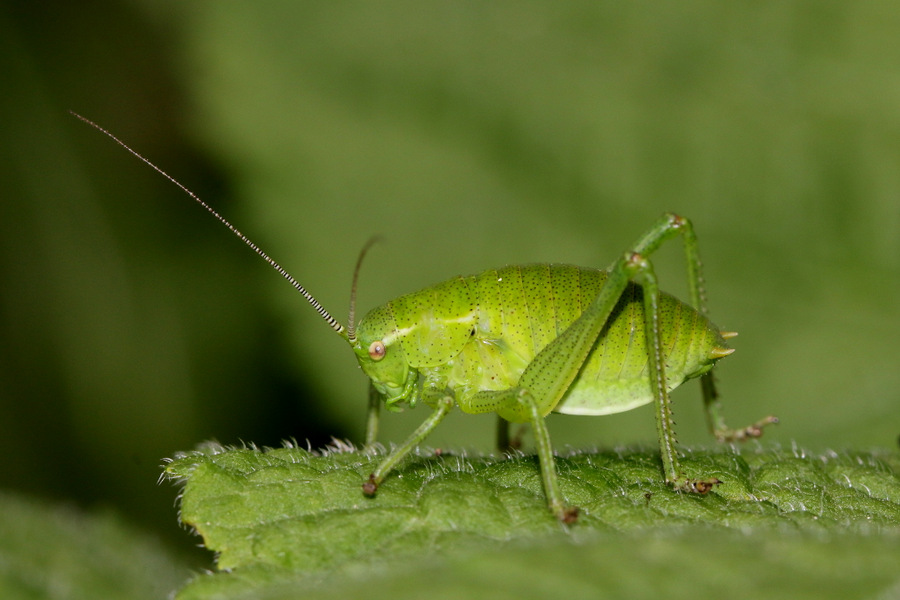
(351, 320)
(332, 322)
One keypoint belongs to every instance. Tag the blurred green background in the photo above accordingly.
(470, 135)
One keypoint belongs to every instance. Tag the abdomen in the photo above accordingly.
(520, 309)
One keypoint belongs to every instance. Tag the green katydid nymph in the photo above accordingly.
(524, 341)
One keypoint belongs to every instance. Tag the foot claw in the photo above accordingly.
(749, 432)
(696, 486)
(703, 486)
(569, 515)
(370, 486)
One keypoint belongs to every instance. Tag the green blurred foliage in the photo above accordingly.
(470, 135)
(56, 551)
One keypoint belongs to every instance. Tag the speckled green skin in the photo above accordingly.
(476, 333)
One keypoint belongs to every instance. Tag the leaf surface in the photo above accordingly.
(287, 517)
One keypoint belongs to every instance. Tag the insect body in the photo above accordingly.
(479, 333)
(524, 341)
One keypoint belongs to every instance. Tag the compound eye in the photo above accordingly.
(377, 351)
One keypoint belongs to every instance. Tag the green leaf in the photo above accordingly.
(51, 551)
(287, 517)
